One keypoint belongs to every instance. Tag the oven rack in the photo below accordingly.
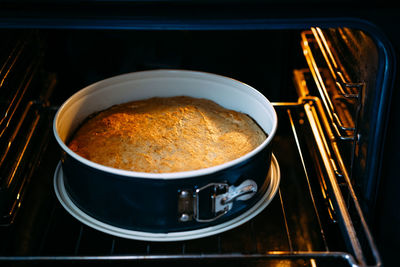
(341, 100)
(303, 225)
(21, 97)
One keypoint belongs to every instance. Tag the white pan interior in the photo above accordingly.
(227, 92)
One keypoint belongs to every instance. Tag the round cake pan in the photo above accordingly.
(165, 202)
(253, 211)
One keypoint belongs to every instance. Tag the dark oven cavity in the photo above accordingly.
(322, 85)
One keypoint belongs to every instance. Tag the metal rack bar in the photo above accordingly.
(340, 202)
(340, 129)
(47, 228)
(78, 241)
(308, 179)
(337, 163)
(11, 60)
(9, 180)
(14, 93)
(353, 196)
(112, 246)
(337, 73)
(279, 255)
(286, 223)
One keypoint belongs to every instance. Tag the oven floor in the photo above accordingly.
(296, 228)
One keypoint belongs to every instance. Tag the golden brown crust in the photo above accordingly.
(166, 135)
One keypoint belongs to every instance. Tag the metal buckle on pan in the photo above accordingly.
(222, 197)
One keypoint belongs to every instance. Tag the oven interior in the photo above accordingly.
(325, 84)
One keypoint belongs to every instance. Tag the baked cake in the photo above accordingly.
(160, 135)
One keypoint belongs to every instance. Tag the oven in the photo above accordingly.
(330, 78)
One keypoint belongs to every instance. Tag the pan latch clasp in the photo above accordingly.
(214, 199)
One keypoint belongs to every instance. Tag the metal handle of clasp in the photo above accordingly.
(243, 192)
(222, 197)
(217, 187)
